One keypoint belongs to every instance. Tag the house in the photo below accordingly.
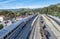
(1, 18)
(20, 17)
(7, 23)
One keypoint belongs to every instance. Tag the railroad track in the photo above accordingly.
(37, 31)
(54, 23)
(25, 31)
(55, 28)
(57, 20)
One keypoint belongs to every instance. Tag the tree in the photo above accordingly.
(1, 26)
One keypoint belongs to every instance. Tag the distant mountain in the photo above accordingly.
(58, 5)
(10, 9)
(16, 10)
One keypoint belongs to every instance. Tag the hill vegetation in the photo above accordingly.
(11, 13)
(52, 10)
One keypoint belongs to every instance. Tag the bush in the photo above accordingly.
(1, 26)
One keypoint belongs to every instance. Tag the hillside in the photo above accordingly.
(52, 9)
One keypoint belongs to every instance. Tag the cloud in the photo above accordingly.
(13, 4)
(22, 6)
(7, 1)
(30, 6)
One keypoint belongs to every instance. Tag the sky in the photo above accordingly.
(15, 4)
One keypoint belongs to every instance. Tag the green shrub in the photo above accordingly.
(1, 26)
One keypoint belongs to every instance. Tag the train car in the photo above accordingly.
(10, 32)
(5, 32)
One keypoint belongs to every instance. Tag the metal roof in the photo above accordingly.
(7, 29)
